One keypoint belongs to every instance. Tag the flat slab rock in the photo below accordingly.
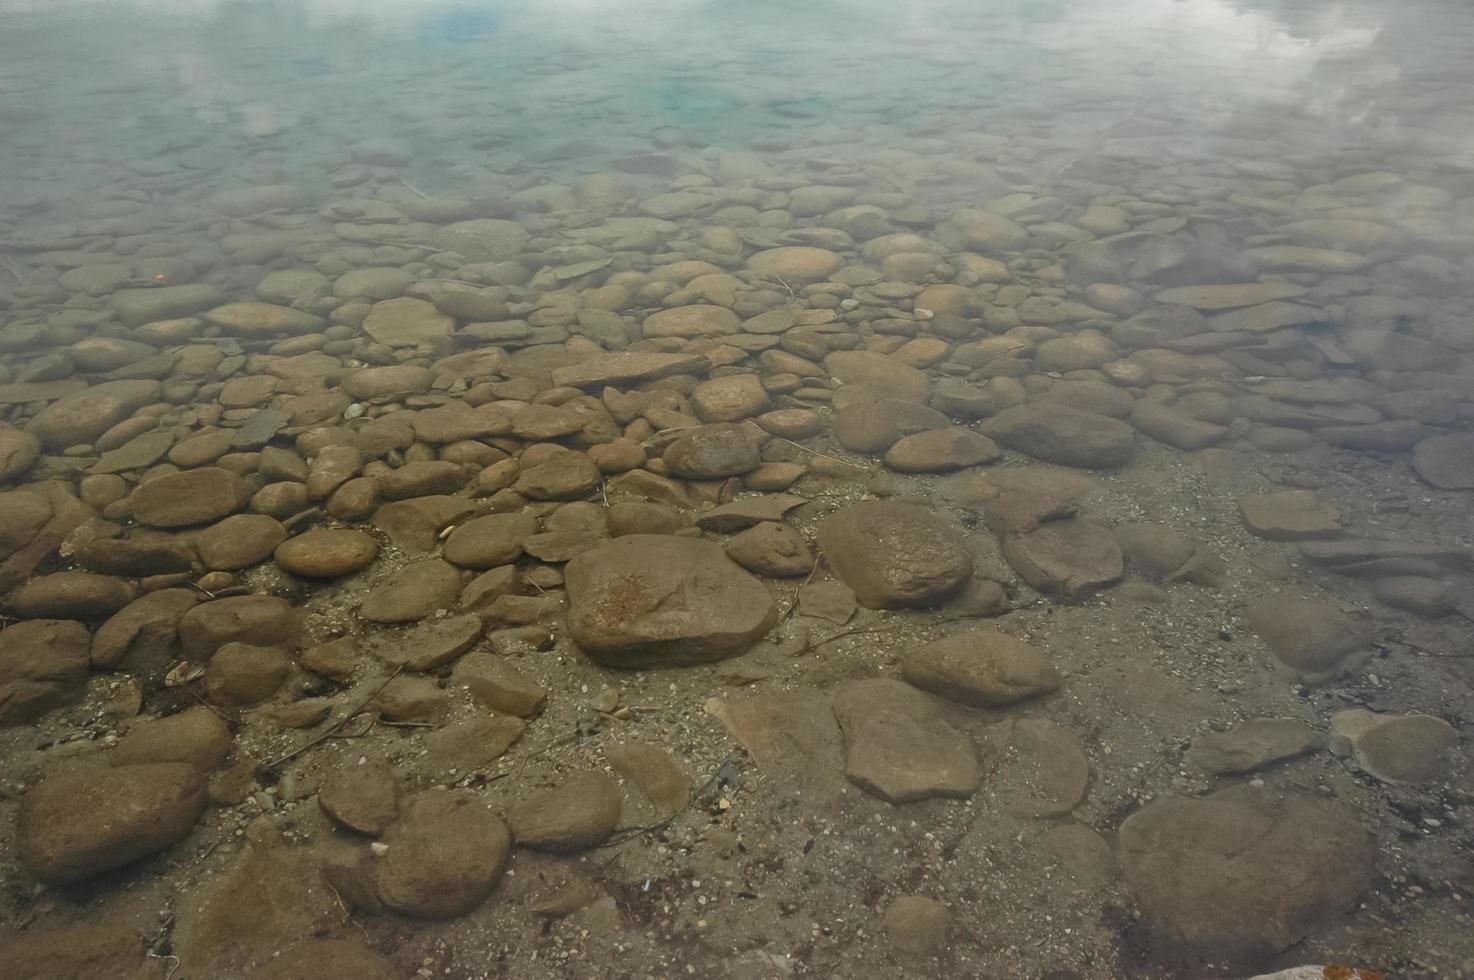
(793, 738)
(74, 825)
(43, 665)
(444, 856)
(1290, 515)
(1394, 748)
(1038, 768)
(413, 592)
(1311, 638)
(747, 512)
(286, 898)
(1068, 560)
(982, 667)
(430, 644)
(624, 369)
(895, 554)
(828, 600)
(1447, 462)
(941, 451)
(578, 813)
(897, 745)
(1237, 876)
(648, 599)
(361, 798)
(1067, 436)
(1251, 745)
(654, 772)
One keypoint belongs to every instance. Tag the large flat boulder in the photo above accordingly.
(648, 599)
(79, 418)
(74, 825)
(895, 554)
(626, 369)
(1069, 560)
(983, 667)
(1311, 638)
(891, 377)
(444, 857)
(1059, 434)
(1236, 877)
(43, 665)
(1447, 461)
(897, 745)
(199, 496)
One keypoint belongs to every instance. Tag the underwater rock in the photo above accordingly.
(898, 747)
(74, 825)
(895, 554)
(621, 613)
(1394, 748)
(1237, 877)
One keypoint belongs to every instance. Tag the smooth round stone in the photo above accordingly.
(643, 600)
(941, 451)
(406, 322)
(1068, 559)
(82, 416)
(287, 286)
(18, 450)
(482, 239)
(1394, 748)
(325, 553)
(983, 667)
(1266, 871)
(565, 476)
(239, 541)
(375, 283)
(361, 798)
(1058, 434)
(1277, 439)
(243, 202)
(730, 399)
(280, 499)
(198, 496)
(578, 814)
(895, 554)
(795, 264)
(444, 856)
(772, 548)
(73, 825)
(1424, 596)
(1312, 638)
(1447, 462)
(486, 542)
(692, 321)
(252, 619)
(412, 593)
(380, 382)
(918, 926)
(72, 595)
(792, 423)
(714, 451)
(242, 673)
(888, 376)
(263, 320)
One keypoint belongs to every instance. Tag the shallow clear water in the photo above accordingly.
(195, 90)
(1232, 241)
